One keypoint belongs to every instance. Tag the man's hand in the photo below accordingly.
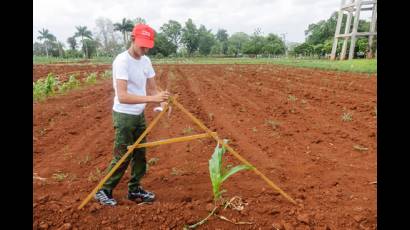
(160, 97)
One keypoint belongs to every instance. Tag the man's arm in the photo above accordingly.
(152, 89)
(125, 98)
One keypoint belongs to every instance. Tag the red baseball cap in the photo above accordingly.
(144, 35)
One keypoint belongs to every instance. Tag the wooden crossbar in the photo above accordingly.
(174, 140)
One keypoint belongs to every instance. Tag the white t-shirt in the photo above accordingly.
(136, 72)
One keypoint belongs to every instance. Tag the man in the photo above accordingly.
(134, 86)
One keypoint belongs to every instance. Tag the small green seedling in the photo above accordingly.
(95, 176)
(60, 176)
(187, 130)
(72, 83)
(272, 123)
(85, 160)
(107, 74)
(153, 161)
(176, 172)
(347, 117)
(292, 98)
(43, 88)
(219, 173)
(92, 78)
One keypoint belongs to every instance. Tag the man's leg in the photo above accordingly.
(138, 160)
(125, 127)
(138, 169)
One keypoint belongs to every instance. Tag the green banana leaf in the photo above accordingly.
(235, 170)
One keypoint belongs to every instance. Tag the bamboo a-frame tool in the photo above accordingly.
(209, 133)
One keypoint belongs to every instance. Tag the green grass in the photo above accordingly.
(51, 60)
(356, 65)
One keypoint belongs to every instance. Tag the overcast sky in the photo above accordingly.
(272, 16)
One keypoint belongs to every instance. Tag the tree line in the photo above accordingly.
(173, 39)
(320, 35)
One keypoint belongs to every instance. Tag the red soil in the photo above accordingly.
(285, 121)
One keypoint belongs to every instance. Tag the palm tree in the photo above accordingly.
(98, 44)
(125, 26)
(60, 46)
(47, 37)
(82, 32)
(139, 20)
(72, 42)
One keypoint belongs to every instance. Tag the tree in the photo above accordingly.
(82, 32)
(106, 34)
(318, 50)
(237, 41)
(325, 29)
(38, 49)
(327, 46)
(172, 31)
(273, 44)
(291, 47)
(304, 49)
(255, 44)
(73, 54)
(361, 48)
(60, 47)
(162, 47)
(364, 26)
(47, 37)
(138, 20)
(222, 37)
(72, 42)
(190, 37)
(124, 27)
(55, 48)
(206, 40)
(216, 48)
(90, 45)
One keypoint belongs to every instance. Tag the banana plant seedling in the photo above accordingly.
(219, 173)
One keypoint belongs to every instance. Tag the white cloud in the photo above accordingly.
(272, 16)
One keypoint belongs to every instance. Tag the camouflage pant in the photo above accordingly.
(127, 130)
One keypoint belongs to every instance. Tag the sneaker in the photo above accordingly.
(105, 197)
(141, 195)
